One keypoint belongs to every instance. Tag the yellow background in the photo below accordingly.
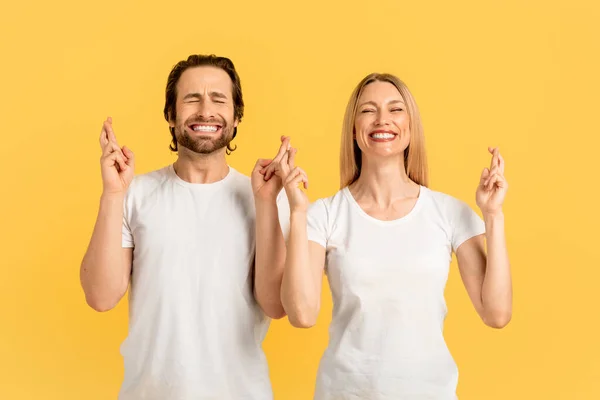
(519, 75)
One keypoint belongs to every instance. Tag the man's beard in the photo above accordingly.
(204, 144)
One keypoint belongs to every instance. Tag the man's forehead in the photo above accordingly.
(205, 75)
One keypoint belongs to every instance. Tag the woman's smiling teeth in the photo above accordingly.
(382, 136)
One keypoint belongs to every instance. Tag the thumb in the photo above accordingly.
(263, 162)
(485, 174)
(129, 154)
(260, 164)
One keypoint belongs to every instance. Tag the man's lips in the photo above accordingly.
(204, 128)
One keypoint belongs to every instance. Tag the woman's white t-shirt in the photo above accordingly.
(387, 281)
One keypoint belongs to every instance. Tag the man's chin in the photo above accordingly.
(206, 147)
(203, 144)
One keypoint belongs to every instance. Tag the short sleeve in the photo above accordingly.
(466, 223)
(317, 223)
(283, 210)
(126, 233)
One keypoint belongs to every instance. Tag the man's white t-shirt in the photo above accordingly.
(195, 330)
(387, 281)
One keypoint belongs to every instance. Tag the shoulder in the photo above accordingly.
(238, 177)
(456, 213)
(148, 182)
(238, 180)
(443, 202)
(142, 187)
(330, 203)
(437, 196)
(327, 209)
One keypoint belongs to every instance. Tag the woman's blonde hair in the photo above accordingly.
(415, 160)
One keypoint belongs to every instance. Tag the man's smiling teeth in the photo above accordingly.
(205, 128)
(382, 136)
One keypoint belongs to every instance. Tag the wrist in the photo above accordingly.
(495, 216)
(112, 196)
(262, 201)
(299, 214)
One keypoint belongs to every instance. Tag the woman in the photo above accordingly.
(385, 241)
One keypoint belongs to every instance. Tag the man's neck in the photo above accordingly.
(201, 168)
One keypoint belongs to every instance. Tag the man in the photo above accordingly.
(200, 243)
